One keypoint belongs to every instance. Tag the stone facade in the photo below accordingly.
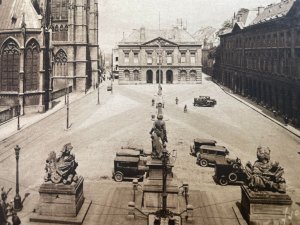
(22, 73)
(178, 57)
(262, 60)
(75, 49)
(29, 72)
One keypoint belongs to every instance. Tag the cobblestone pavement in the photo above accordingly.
(124, 118)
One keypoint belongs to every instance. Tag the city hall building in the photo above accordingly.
(261, 60)
(174, 51)
(45, 48)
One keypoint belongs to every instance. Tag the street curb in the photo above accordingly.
(259, 111)
(19, 131)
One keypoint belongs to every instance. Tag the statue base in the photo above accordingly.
(61, 203)
(265, 207)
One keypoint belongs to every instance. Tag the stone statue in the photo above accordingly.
(265, 175)
(158, 135)
(61, 168)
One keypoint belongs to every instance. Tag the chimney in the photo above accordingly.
(260, 10)
(142, 34)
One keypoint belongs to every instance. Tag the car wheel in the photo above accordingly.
(235, 166)
(119, 176)
(223, 181)
(232, 177)
(203, 162)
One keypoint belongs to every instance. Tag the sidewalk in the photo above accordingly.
(252, 105)
(9, 127)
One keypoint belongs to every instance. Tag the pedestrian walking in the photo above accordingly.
(153, 101)
(176, 100)
(185, 108)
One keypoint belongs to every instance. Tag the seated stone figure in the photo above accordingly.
(265, 175)
(61, 168)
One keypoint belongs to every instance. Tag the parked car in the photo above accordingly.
(198, 142)
(209, 154)
(133, 150)
(204, 101)
(109, 88)
(230, 171)
(129, 167)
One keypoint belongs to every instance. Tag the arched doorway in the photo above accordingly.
(159, 73)
(136, 75)
(169, 77)
(193, 74)
(183, 75)
(149, 76)
(126, 75)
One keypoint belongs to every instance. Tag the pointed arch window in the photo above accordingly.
(9, 67)
(32, 66)
(60, 64)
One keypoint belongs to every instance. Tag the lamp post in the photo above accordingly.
(19, 109)
(165, 173)
(98, 93)
(17, 199)
(160, 62)
(67, 124)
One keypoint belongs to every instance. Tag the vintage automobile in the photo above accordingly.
(230, 171)
(209, 154)
(204, 101)
(198, 142)
(133, 150)
(109, 88)
(129, 167)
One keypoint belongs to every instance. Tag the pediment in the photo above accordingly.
(161, 41)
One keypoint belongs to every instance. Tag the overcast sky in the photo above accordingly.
(118, 16)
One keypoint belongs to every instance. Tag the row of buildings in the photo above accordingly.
(46, 47)
(259, 57)
(148, 56)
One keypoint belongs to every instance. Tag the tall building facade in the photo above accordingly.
(75, 61)
(46, 46)
(262, 60)
(174, 51)
(22, 47)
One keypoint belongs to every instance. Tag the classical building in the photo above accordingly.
(44, 49)
(175, 51)
(261, 60)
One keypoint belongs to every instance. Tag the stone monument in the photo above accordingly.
(159, 136)
(264, 200)
(61, 194)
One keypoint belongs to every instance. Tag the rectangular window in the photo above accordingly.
(193, 58)
(126, 58)
(182, 59)
(117, 59)
(149, 58)
(136, 58)
(169, 58)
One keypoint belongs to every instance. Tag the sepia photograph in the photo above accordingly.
(150, 112)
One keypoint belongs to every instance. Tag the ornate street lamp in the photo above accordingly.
(17, 199)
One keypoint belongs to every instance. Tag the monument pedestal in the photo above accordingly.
(265, 207)
(61, 203)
